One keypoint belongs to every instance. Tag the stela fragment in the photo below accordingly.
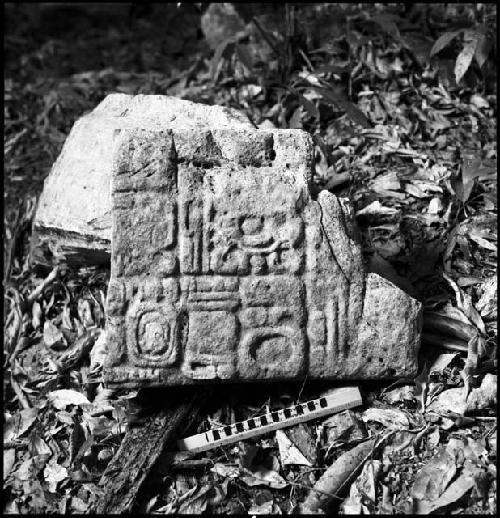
(223, 267)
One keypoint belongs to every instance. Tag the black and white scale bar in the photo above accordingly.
(340, 399)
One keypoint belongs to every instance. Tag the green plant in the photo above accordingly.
(477, 43)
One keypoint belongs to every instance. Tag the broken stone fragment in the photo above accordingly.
(73, 218)
(223, 267)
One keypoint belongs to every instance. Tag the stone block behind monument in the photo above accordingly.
(73, 217)
(224, 268)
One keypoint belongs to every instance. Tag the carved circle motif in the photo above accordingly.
(153, 333)
(272, 351)
(152, 336)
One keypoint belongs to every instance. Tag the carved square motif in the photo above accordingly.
(152, 334)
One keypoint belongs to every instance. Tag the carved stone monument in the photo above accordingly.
(223, 267)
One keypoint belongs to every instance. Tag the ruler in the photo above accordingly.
(336, 401)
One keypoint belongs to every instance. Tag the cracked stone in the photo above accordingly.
(224, 268)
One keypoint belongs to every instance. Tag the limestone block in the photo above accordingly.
(73, 217)
(223, 267)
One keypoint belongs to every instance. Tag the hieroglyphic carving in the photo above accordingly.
(210, 304)
(211, 344)
(191, 236)
(229, 270)
(272, 344)
(238, 259)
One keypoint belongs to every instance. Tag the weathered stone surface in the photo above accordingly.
(73, 217)
(224, 268)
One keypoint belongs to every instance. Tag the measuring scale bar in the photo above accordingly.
(340, 399)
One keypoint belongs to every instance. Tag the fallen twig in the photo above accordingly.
(81, 348)
(19, 393)
(39, 289)
(9, 248)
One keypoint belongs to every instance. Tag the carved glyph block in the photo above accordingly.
(224, 268)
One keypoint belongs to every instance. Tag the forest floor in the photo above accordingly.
(415, 152)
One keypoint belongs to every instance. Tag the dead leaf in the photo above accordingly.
(101, 404)
(449, 401)
(195, 502)
(464, 59)
(433, 438)
(387, 184)
(98, 353)
(85, 313)
(389, 24)
(442, 362)
(53, 474)
(37, 446)
(376, 213)
(9, 459)
(302, 437)
(64, 397)
(66, 318)
(483, 243)
(443, 41)
(79, 350)
(464, 303)
(414, 190)
(295, 121)
(267, 124)
(421, 387)
(439, 324)
(335, 477)
(265, 508)
(387, 506)
(483, 49)
(404, 394)
(247, 453)
(78, 506)
(402, 440)
(458, 488)
(337, 98)
(20, 424)
(52, 336)
(36, 312)
(263, 477)
(26, 470)
(485, 396)
(343, 428)
(226, 470)
(289, 453)
(487, 304)
(363, 490)
(431, 480)
(388, 417)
